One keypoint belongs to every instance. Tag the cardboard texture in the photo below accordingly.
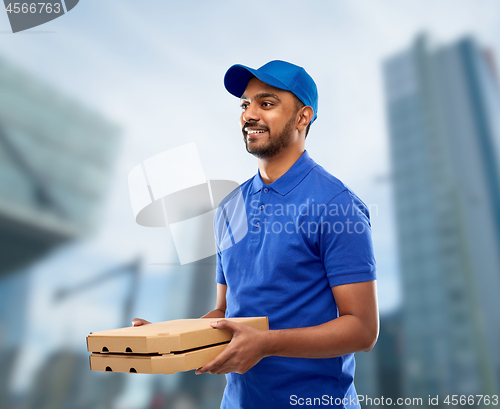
(164, 347)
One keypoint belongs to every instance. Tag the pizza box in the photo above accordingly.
(163, 347)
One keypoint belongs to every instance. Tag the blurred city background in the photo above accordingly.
(409, 118)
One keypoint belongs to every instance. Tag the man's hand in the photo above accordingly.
(139, 321)
(246, 349)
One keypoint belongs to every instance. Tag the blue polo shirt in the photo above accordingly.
(303, 234)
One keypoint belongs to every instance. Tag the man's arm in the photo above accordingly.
(356, 329)
(220, 304)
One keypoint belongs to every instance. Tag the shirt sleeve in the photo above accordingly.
(345, 241)
(220, 278)
(219, 227)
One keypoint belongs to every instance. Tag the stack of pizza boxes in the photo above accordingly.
(164, 347)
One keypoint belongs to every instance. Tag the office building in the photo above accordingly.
(55, 166)
(443, 105)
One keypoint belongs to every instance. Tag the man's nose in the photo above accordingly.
(251, 114)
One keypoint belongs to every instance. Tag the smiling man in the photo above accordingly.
(306, 262)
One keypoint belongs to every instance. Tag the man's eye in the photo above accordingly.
(244, 106)
(266, 104)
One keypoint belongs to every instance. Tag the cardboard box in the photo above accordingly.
(164, 347)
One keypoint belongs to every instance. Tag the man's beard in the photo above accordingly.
(273, 145)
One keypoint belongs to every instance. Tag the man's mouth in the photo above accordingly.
(253, 132)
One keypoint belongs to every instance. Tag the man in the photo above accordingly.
(306, 261)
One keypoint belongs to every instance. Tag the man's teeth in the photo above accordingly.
(251, 131)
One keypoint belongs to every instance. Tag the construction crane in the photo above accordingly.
(60, 378)
(132, 267)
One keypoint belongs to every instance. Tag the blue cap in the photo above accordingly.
(278, 74)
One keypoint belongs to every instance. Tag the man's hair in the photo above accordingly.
(299, 104)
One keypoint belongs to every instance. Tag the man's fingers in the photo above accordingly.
(215, 363)
(224, 370)
(136, 322)
(225, 324)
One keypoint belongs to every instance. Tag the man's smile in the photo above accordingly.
(254, 132)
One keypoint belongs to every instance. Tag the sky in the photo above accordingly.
(155, 68)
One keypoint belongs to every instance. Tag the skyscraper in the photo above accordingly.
(443, 105)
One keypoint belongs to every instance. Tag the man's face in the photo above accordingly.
(268, 119)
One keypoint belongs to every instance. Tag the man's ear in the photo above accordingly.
(306, 114)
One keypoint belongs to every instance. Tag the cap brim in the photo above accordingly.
(238, 76)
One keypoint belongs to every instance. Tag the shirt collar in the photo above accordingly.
(290, 179)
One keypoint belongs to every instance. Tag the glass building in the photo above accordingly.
(55, 159)
(55, 166)
(443, 105)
